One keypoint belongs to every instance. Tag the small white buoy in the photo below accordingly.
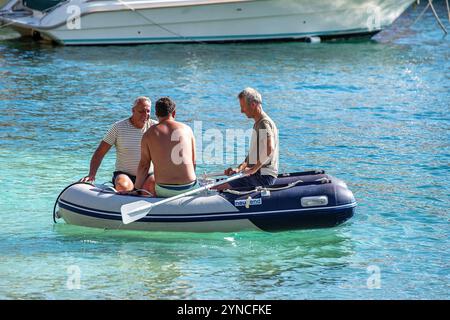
(313, 39)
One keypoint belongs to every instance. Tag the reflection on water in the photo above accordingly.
(172, 265)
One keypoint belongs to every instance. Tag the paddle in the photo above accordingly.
(139, 209)
(213, 174)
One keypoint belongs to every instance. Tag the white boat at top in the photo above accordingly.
(87, 22)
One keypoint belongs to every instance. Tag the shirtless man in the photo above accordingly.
(170, 146)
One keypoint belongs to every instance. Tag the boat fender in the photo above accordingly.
(313, 39)
(314, 201)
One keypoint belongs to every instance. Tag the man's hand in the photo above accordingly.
(88, 179)
(231, 171)
(250, 171)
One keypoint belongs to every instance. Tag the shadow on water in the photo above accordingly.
(159, 265)
(202, 265)
(65, 232)
(319, 243)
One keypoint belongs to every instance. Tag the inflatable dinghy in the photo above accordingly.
(301, 200)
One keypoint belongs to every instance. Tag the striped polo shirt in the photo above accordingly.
(127, 140)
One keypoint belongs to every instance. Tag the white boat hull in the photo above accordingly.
(111, 22)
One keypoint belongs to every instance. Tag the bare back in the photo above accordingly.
(171, 146)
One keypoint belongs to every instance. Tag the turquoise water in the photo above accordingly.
(374, 113)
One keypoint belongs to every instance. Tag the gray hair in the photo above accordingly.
(250, 95)
(140, 100)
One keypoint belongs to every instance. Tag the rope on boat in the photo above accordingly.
(146, 191)
(265, 189)
(108, 187)
(159, 25)
(56, 202)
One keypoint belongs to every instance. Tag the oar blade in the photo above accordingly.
(135, 210)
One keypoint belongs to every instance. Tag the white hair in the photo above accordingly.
(140, 100)
(250, 95)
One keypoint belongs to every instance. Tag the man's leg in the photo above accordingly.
(255, 180)
(123, 183)
(244, 182)
(149, 184)
(222, 187)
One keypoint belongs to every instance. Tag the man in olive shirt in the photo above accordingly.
(261, 164)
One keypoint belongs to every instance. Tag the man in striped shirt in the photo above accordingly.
(126, 136)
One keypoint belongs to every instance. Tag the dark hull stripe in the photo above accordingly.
(279, 214)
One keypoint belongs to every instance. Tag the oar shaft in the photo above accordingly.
(214, 174)
(139, 209)
(197, 190)
(188, 193)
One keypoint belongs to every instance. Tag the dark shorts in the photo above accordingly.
(255, 180)
(116, 173)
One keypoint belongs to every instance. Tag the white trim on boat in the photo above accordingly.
(212, 215)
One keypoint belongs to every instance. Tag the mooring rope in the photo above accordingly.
(56, 202)
(437, 17)
(159, 25)
(262, 189)
(448, 10)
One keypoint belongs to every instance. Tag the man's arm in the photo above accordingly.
(267, 157)
(194, 155)
(241, 167)
(96, 160)
(144, 163)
